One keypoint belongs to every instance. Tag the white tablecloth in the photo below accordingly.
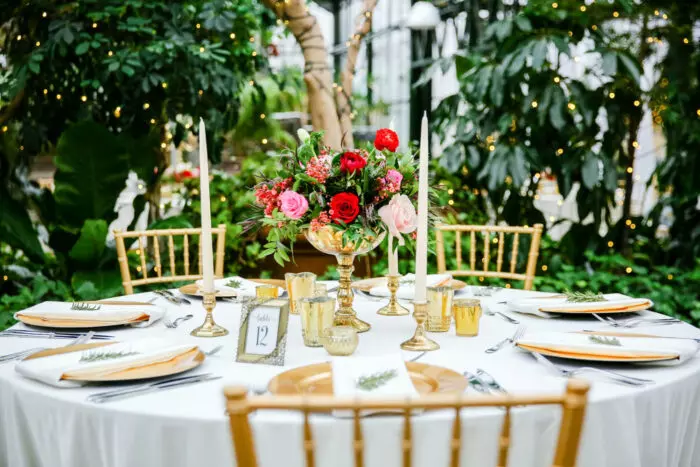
(653, 426)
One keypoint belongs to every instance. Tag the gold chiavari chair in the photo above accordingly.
(240, 406)
(490, 234)
(174, 275)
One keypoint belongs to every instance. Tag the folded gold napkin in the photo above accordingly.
(407, 285)
(137, 359)
(61, 314)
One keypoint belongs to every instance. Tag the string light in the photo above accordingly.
(201, 91)
(669, 277)
(572, 106)
(557, 79)
(262, 116)
(251, 82)
(451, 202)
(153, 121)
(630, 170)
(232, 35)
(38, 43)
(534, 104)
(43, 14)
(252, 39)
(544, 267)
(146, 106)
(118, 112)
(264, 141)
(583, 8)
(198, 26)
(254, 53)
(555, 5)
(611, 244)
(656, 12)
(633, 226)
(83, 98)
(222, 199)
(628, 270)
(4, 129)
(164, 85)
(163, 145)
(577, 58)
(616, 14)
(201, 49)
(635, 144)
(665, 16)
(19, 37)
(46, 91)
(594, 27)
(94, 25)
(450, 191)
(58, 97)
(492, 148)
(637, 103)
(685, 40)
(611, 95)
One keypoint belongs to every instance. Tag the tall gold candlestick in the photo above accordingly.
(393, 308)
(209, 328)
(419, 341)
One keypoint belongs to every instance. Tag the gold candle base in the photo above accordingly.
(419, 341)
(393, 308)
(345, 315)
(209, 328)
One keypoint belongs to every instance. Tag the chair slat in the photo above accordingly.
(358, 444)
(221, 251)
(472, 251)
(407, 437)
(458, 248)
(514, 253)
(308, 441)
(499, 259)
(504, 441)
(487, 246)
(440, 247)
(171, 254)
(156, 253)
(456, 441)
(142, 254)
(186, 247)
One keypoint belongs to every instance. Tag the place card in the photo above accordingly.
(262, 337)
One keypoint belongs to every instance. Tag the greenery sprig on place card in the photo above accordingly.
(614, 341)
(234, 284)
(376, 380)
(84, 306)
(583, 297)
(100, 355)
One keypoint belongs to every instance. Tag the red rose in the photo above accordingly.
(345, 207)
(386, 139)
(352, 162)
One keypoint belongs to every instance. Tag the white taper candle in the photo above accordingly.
(205, 239)
(422, 233)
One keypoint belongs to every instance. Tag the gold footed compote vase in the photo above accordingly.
(330, 241)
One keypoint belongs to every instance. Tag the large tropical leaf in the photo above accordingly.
(16, 228)
(90, 246)
(91, 168)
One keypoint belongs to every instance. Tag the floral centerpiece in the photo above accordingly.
(343, 201)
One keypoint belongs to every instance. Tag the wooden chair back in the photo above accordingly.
(490, 234)
(173, 275)
(240, 406)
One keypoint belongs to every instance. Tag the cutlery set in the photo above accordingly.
(50, 334)
(634, 322)
(612, 375)
(484, 383)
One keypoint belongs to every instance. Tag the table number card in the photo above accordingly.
(263, 333)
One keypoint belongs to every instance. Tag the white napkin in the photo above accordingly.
(349, 371)
(541, 305)
(49, 370)
(62, 310)
(579, 342)
(407, 284)
(247, 288)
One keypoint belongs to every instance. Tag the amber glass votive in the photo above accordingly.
(267, 291)
(467, 315)
(316, 317)
(439, 309)
(299, 286)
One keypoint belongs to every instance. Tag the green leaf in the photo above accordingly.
(93, 285)
(589, 171)
(523, 23)
(90, 246)
(16, 228)
(517, 63)
(556, 109)
(497, 84)
(34, 67)
(91, 170)
(610, 63)
(632, 66)
(82, 48)
(539, 53)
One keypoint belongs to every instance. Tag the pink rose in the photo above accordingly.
(399, 216)
(293, 205)
(394, 176)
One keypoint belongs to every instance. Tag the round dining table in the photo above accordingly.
(656, 425)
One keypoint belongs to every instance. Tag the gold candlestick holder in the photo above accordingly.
(209, 328)
(393, 308)
(419, 341)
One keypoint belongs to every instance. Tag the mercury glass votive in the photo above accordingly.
(266, 291)
(467, 315)
(439, 309)
(340, 340)
(299, 286)
(316, 317)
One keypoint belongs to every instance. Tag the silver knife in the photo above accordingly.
(490, 381)
(476, 383)
(147, 388)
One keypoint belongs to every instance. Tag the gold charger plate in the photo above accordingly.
(317, 379)
(636, 357)
(368, 284)
(177, 364)
(193, 289)
(75, 323)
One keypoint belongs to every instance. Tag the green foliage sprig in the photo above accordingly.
(101, 355)
(376, 380)
(584, 297)
(604, 340)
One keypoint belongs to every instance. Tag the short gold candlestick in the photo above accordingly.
(419, 341)
(209, 328)
(393, 308)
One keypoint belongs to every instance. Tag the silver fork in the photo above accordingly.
(25, 353)
(173, 324)
(501, 314)
(617, 377)
(517, 335)
(490, 381)
(634, 322)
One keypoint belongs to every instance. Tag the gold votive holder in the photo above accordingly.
(299, 286)
(340, 341)
(316, 316)
(320, 290)
(467, 315)
(266, 291)
(439, 309)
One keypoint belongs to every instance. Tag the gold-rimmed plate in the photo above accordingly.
(366, 285)
(194, 291)
(620, 357)
(76, 323)
(317, 379)
(175, 364)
